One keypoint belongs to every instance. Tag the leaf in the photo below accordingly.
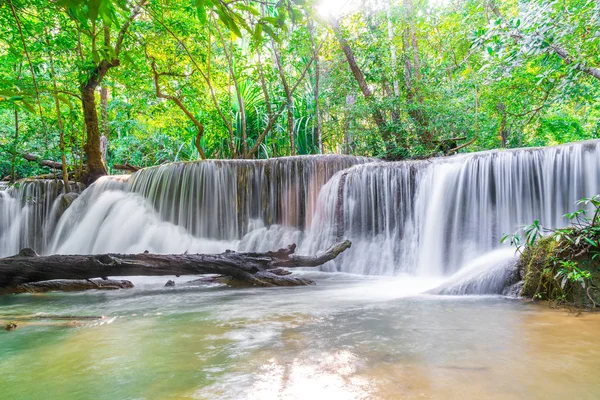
(271, 20)
(250, 9)
(271, 33)
(201, 11)
(257, 34)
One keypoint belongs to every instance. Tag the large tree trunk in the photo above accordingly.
(260, 269)
(95, 166)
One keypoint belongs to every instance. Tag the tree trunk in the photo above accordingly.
(182, 107)
(502, 131)
(16, 141)
(289, 98)
(393, 54)
(95, 166)
(59, 121)
(260, 269)
(230, 62)
(319, 126)
(362, 83)
(104, 110)
(412, 77)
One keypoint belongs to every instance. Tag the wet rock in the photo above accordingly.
(11, 326)
(170, 284)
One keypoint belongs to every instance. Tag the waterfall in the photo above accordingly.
(29, 211)
(206, 206)
(432, 218)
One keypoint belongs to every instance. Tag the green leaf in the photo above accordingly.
(257, 34)
(201, 11)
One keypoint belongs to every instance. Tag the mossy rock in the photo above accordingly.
(533, 262)
(538, 271)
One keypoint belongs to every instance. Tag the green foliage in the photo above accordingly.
(489, 77)
(562, 266)
(569, 272)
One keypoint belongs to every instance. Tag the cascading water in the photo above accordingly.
(203, 206)
(29, 211)
(433, 217)
(428, 218)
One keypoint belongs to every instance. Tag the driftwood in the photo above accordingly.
(259, 269)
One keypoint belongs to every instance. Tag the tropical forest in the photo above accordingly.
(299, 199)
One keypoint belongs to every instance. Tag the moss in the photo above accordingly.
(533, 262)
(539, 269)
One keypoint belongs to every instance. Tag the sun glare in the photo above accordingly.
(333, 8)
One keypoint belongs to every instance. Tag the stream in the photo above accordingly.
(348, 337)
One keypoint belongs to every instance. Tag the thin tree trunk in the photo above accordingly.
(412, 77)
(33, 76)
(319, 124)
(393, 54)
(362, 83)
(65, 173)
(502, 130)
(273, 117)
(16, 140)
(199, 126)
(289, 98)
(413, 39)
(104, 110)
(238, 93)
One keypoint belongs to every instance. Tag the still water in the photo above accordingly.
(348, 337)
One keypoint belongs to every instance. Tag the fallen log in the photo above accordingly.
(44, 163)
(68, 285)
(259, 269)
(126, 167)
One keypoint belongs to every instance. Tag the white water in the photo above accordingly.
(434, 217)
(202, 207)
(28, 213)
(426, 218)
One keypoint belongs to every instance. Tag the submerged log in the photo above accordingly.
(259, 269)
